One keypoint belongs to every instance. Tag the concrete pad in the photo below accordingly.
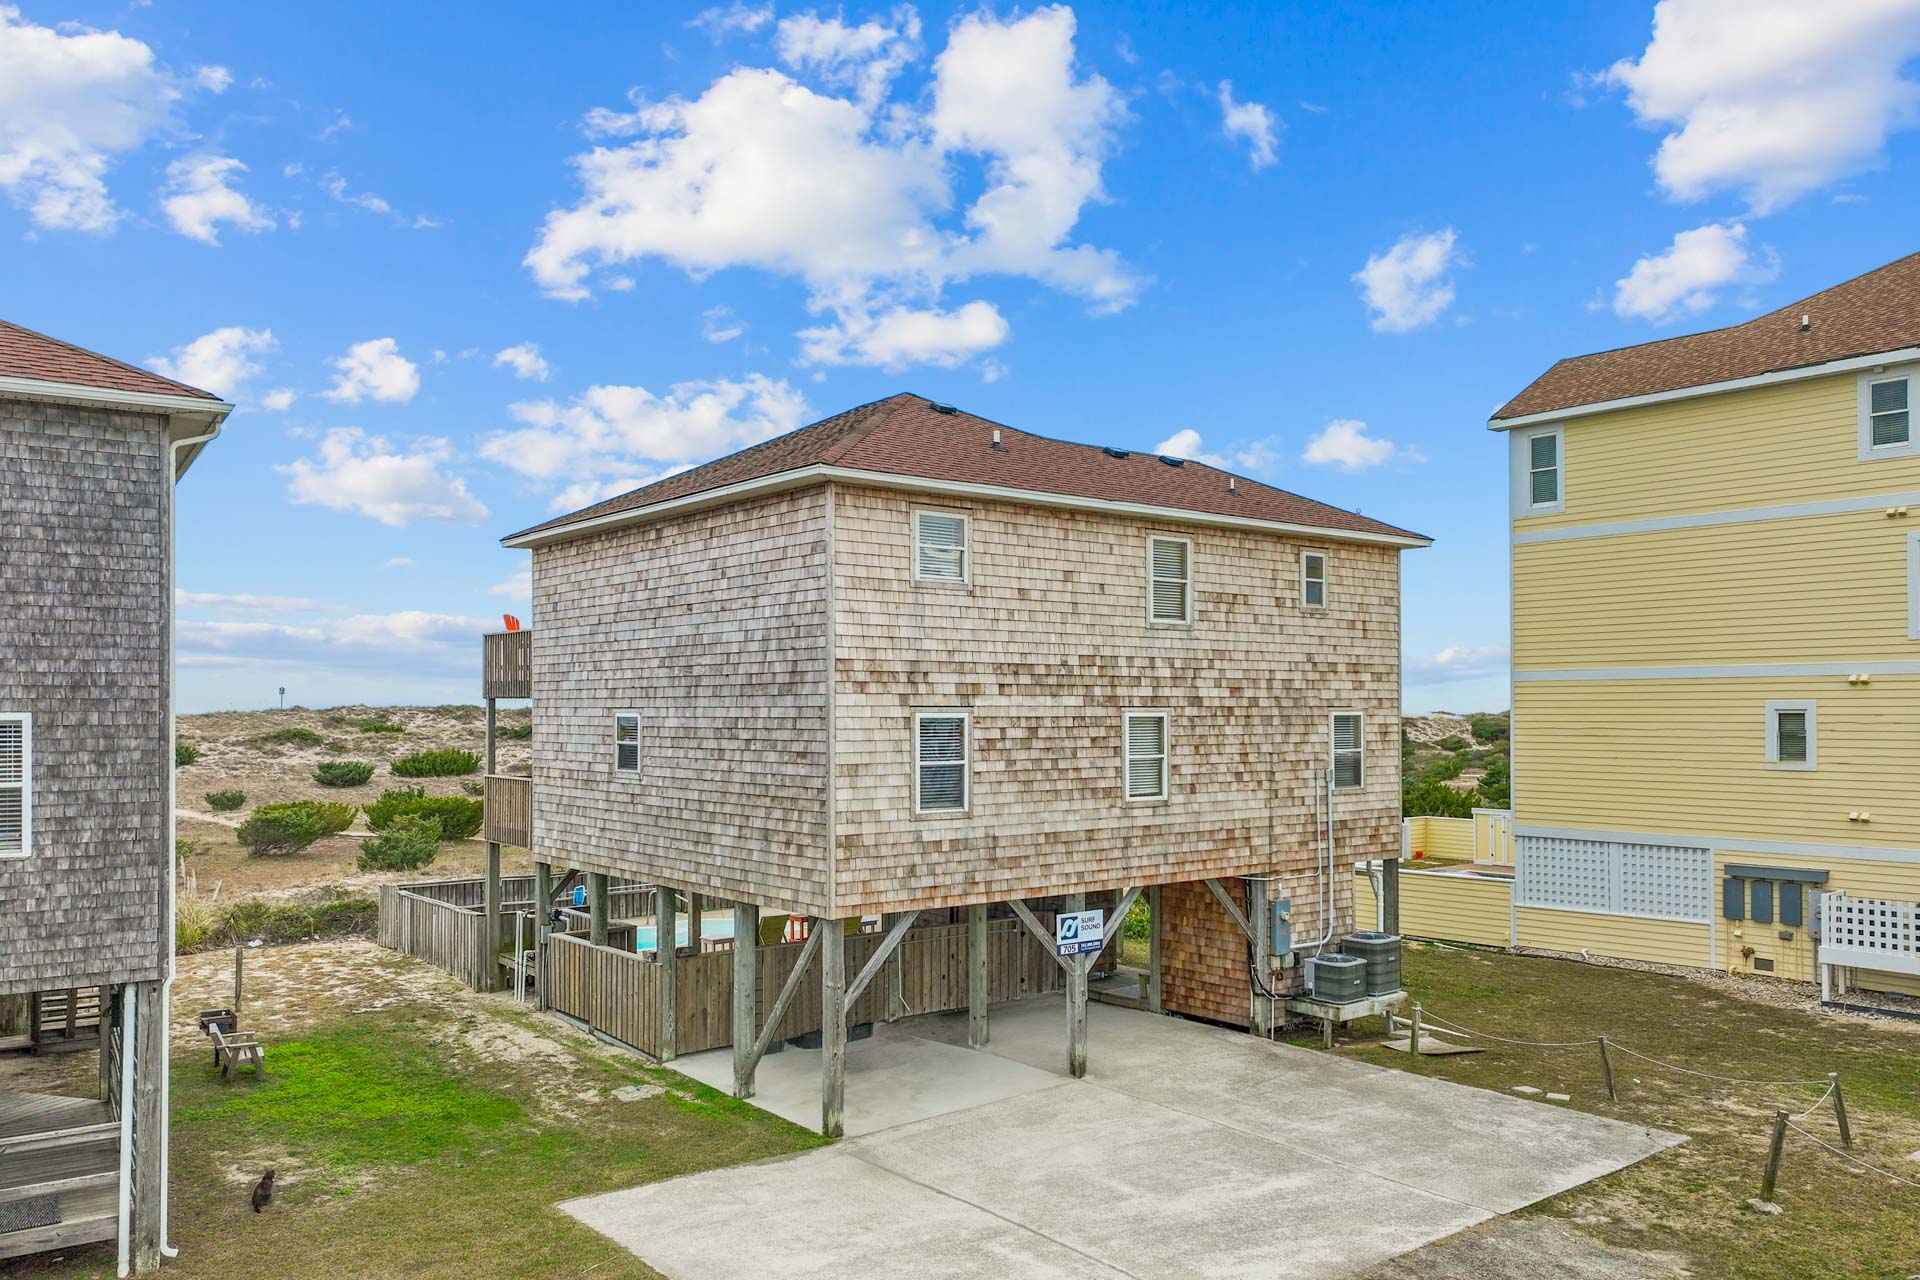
(1189, 1151)
(893, 1077)
(825, 1213)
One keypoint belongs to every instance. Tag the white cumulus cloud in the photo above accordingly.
(1686, 278)
(905, 336)
(1186, 443)
(849, 191)
(1344, 443)
(1460, 662)
(279, 400)
(413, 641)
(1252, 123)
(220, 361)
(72, 102)
(200, 196)
(525, 360)
(719, 324)
(374, 370)
(728, 19)
(366, 474)
(1410, 284)
(1772, 98)
(214, 79)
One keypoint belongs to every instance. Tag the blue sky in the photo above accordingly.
(461, 270)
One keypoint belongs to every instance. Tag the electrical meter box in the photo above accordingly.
(1280, 926)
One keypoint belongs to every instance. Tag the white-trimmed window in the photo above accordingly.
(1146, 763)
(1886, 423)
(626, 742)
(1313, 579)
(939, 547)
(1348, 738)
(1792, 735)
(1169, 579)
(1543, 470)
(16, 784)
(940, 782)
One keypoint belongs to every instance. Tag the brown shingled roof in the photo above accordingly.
(1879, 311)
(905, 435)
(26, 354)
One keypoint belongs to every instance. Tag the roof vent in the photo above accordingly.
(1806, 323)
(1233, 484)
(1174, 462)
(937, 407)
(1112, 452)
(998, 447)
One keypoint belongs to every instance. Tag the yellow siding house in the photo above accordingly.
(1716, 644)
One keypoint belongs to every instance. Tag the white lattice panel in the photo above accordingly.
(1665, 880)
(1669, 881)
(1870, 933)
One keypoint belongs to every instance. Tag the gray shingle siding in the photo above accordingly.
(83, 648)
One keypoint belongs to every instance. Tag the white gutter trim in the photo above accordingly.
(129, 1056)
(952, 488)
(42, 389)
(1852, 364)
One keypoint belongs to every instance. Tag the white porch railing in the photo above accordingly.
(1867, 933)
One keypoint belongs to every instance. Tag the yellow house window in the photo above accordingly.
(1791, 740)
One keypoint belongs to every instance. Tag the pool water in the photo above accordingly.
(647, 937)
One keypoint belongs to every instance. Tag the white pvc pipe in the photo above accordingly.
(129, 1014)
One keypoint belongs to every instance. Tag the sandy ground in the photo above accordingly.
(231, 758)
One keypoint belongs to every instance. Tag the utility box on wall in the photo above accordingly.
(1280, 927)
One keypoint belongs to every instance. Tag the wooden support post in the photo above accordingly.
(597, 908)
(746, 994)
(1840, 1110)
(977, 975)
(542, 927)
(896, 976)
(1413, 1032)
(666, 950)
(1774, 1151)
(1390, 895)
(73, 1013)
(1155, 1001)
(149, 1104)
(1075, 902)
(239, 981)
(1077, 968)
(833, 1026)
(492, 911)
(1606, 1071)
(492, 725)
(108, 1086)
(1261, 946)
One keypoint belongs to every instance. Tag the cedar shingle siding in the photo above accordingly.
(83, 547)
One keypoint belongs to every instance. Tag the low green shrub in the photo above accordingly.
(343, 773)
(225, 801)
(185, 847)
(459, 817)
(473, 788)
(436, 764)
(202, 924)
(1452, 744)
(185, 753)
(517, 732)
(406, 844)
(291, 827)
(367, 724)
(296, 737)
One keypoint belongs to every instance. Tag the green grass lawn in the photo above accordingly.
(399, 1157)
(1839, 1220)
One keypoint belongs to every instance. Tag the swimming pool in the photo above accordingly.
(646, 937)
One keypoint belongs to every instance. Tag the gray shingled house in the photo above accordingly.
(90, 450)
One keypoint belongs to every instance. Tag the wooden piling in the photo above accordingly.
(977, 975)
(746, 994)
(1154, 1001)
(239, 981)
(542, 925)
(1077, 968)
(1773, 1156)
(597, 908)
(1840, 1110)
(1606, 1071)
(1413, 1032)
(666, 950)
(833, 1027)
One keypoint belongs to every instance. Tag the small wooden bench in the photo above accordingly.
(232, 1047)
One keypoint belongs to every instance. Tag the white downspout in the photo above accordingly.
(129, 1010)
(167, 1249)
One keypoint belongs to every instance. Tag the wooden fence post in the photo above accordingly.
(1606, 1071)
(977, 974)
(833, 1027)
(1390, 895)
(666, 950)
(1773, 1156)
(542, 926)
(239, 980)
(1413, 1031)
(597, 908)
(1840, 1110)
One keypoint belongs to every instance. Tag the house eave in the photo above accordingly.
(189, 415)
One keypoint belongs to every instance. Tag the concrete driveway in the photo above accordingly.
(1187, 1151)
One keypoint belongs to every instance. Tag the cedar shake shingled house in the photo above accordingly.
(90, 450)
(907, 658)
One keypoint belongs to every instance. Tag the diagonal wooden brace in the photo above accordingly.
(888, 946)
(1238, 916)
(785, 998)
(1033, 927)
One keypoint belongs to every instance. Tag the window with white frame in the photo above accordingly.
(939, 547)
(1170, 579)
(1313, 579)
(1792, 735)
(1146, 765)
(1543, 469)
(16, 785)
(1349, 750)
(1886, 425)
(940, 781)
(626, 742)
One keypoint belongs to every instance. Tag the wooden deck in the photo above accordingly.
(59, 1172)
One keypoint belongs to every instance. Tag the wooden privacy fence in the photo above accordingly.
(445, 935)
(618, 993)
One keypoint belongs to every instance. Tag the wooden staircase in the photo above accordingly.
(64, 1021)
(59, 1173)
